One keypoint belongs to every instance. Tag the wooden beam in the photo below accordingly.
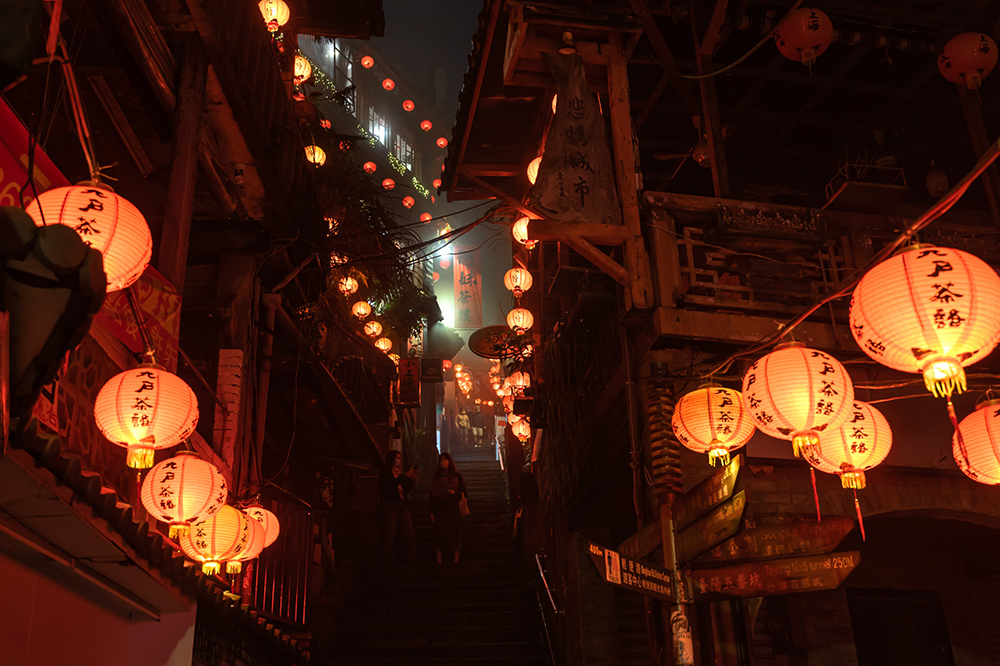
(712, 125)
(493, 170)
(973, 111)
(711, 37)
(176, 231)
(650, 104)
(741, 328)
(601, 234)
(500, 194)
(598, 258)
(666, 57)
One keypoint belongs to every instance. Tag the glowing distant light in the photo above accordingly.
(388, 183)
(442, 142)
(436, 183)
(520, 232)
(368, 62)
(388, 84)
(303, 69)
(408, 202)
(445, 263)
(316, 155)
(435, 276)
(370, 167)
(408, 105)
(533, 169)
(426, 125)
(425, 217)
(554, 99)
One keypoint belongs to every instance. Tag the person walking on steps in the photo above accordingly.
(462, 423)
(447, 497)
(478, 420)
(394, 485)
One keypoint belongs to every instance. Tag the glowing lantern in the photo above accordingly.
(445, 263)
(435, 276)
(367, 62)
(249, 549)
(513, 418)
(316, 155)
(520, 232)
(977, 451)
(520, 319)
(302, 69)
(408, 202)
(446, 364)
(862, 442)
(215, 539)
(712, 420)
(394, 358)
(533, 169)
(489, 403)
(106, 222)
(517, 280)
(388, 183)
(183, 489)
(521, 429)
(519, 381)
(508, 404)
(436, 183)
(388, 84)
(968, 58)
(426, 125)
(275, 12)
(370, 167)
(373, 329)
(361, 309)
(425, 217)
(798, 393)
(146, 408)
(385, 344)
(270, 522)
(442, 142)
(929, 310)
(347, 285)
(408, 105)
(555, 103)
(804, 35)
(459, 367)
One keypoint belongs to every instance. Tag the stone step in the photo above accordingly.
(476, 659)
(441, 652)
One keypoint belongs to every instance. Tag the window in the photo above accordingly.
(403, 151)
(378, 125)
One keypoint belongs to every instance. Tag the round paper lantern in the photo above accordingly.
(513, 418)
(533, 169)
(146, 408)
(459, 367)
(388, 183)
(248, 549)
(105, 221)
(977, 452)
(369, 167)
(316, 155)
(520, 232)
(521, 429)
(373, 329)
(408, 105)
(798, 393)
(367, 62)
(702, 154)
(712, 420)
(804, 35)
(436, 183)
(385, 344)
(426, 125)
(394, 358)
(275, 12)
(408, 202)
(435, 276)
(862, 442)
(929, 310)
(446, 364)
(361, 309)
(347, 285)
(968, 58)
(388, 84)
(183, 489)
(425, 217)
(519, 381)
(520, 319)
(508, 404)
(442, 142)
(217, 538)
(302, 69)
(445, 263)
(517, 280)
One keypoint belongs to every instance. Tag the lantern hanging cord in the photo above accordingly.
(148, 350)
(79, 114)
(929, 216)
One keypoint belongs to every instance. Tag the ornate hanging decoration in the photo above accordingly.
(408, 105)
(521, 430)
(249, 549)
(182, 490)
(797, 393)
(347, 285)
(302, 69)
(532, 170)
(442, 142)
(976, 444)
(216, 539)
(370, 167)
(272, 527)
(968, 58)
(367, 62)
(144, 409)
(426, 125)
(275, 12)
(384, 344)
(373, 329)
(929, 310)
(388, 183)
(520, 232)
(518, 280)
(520, 319)
(713, 420)
(316, 155)
(361, 309)
(804, 35)
(409, 202)
(388, 84)
(862, 442)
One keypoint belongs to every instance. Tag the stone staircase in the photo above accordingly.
(481, 611)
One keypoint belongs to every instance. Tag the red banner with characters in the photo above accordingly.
(409, 382)
(468, 289)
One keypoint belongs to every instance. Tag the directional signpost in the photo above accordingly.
(758, 579)
(769, 535)
(713, 528)
(648, 579)
(709, 493)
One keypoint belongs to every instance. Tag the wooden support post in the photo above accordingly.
(640, 291)
(972, 108)
(176, 230)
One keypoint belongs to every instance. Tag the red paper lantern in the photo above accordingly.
(929, 310)
(520, 232)
(347, 285)
(520, 319)
(713, 420)
(445, 263)
(532, 170)
(249, 549)
(521, 430)
(182, 490)
(144, 409)
(370, 167)
(367, 62)
(275, 13)
(862, 442)
(798, 394)
(436, 183)
(435, 276)
(425, 217)
(388, 84)
(968, 58)
(302, 69)
(408, 105)
(373, 329)
(517, 280)
(442, 142)
(519, 381)
(446, 364)
(217, 538)
(385, 344)
(106, 222)
(388, 183)
(361, 309)
(804, 35)
(426, 125)
(316, 155)
(977, 451)
(408, 202)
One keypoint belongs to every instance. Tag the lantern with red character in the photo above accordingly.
(968, 58)
(804, 35)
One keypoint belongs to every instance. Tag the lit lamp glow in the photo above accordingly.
(275, 13)
(517, 280)
(302, 69)
(976, 444)
(373, 329)
(520, 232)
(249, 549)
(316, 155)
(347, 285)
(861, 443)
(712, 420)
(272, 527)
(217, 538)
(520, 319)
(361, 309)
(533, 169)
(384, 344)
(182, 490)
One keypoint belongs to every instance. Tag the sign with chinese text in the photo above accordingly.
(490, 342)
(468, 290)
(709, 493)
(643, 542)
(640, 577)
(775, 535)
(409, 382)
(431, 370)
(714, 528)
(758, 579)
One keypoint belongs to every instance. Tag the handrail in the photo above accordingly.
(496, 443)
(541, 572)
(541, 607)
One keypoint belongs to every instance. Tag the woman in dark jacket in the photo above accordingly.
(394, 484)
(447, 491)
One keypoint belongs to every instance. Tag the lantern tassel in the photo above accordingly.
(853, 479)
(234, 566)
(139, 457)
(812, 474)
(718, 456)
(210, 568)
(178, 530)
(861, 520)
(943, 377)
